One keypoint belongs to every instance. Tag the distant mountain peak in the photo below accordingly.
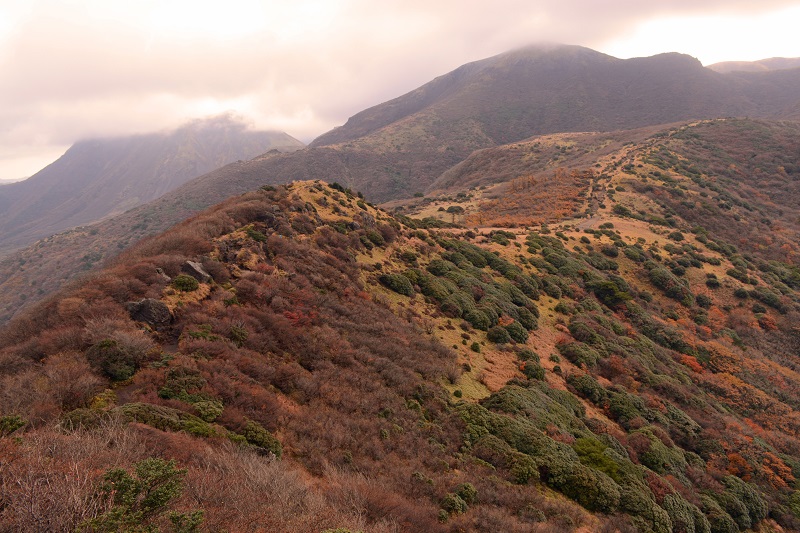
(101, 177)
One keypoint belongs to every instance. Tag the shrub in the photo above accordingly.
(527, 319)
(523, 469)
(257, 435)
(533, 370)
(703, 301)
(467, 492)
(516, 332)
(144, 496)
(499, 335)
(610, 293)
(185, 283)
(610, 250)
(588, 387)
(166, 418)
(579, 353)
(749, 496)
(118, 358)
(683, 515)
(741, 293)
(10, 423)
(397, 283)
(439, 267)
(590, 452)
(255, 234)
(478, 319)
(672, 286)
(594, 490)
(454, 504)
(375, 237)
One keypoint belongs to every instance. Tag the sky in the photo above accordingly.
(74, 69)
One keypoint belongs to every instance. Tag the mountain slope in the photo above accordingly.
(99, 178)
(402, 148)
(540, 90)
(393, 377)
(773, 63)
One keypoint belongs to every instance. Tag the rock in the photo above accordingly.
(197, 271)
(149, 310)
(367, 220)
(163, 275)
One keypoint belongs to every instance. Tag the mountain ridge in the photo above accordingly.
(408, 156)
(99, 178)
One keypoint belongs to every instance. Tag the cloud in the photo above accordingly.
(70, 70)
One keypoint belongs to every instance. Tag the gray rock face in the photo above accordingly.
(149, 310)
(197, 271)
(367, 220)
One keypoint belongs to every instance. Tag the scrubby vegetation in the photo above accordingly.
(343, 370)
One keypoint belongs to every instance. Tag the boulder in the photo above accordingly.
(149, 310)
(366, 220)
(197, 271)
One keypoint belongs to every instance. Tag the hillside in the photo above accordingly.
(99, 178)
(310, 362)
(540, 90)
(773, 63)
(424, 142)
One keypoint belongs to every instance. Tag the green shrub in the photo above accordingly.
(609, 292)
(258, 436)
(478, 319)
(658, 457)
(185, 283)
(741, 293)
(683, 515)
(397, 283)
(10, 423)
(527, 319)
(375, 237)
(475, 347)
(533, 370)
(671, 285)
(454, 504)
(750, 497)
(117, 361)
(516, 332)
(635, 253)
(523, 469)
(719, 520)
(528, 355)
(703, 300)
(255, 234)
(593, 490)
(610, 250)
(166, 418)
(142, 497)
(590, 451)
(579, 353)
(588, 387)
(208, 410)
(499, 335)
(467, 492)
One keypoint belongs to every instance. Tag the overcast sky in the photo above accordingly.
(71, 69)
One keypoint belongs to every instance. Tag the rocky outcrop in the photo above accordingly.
(151, 311)
(197, 271)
